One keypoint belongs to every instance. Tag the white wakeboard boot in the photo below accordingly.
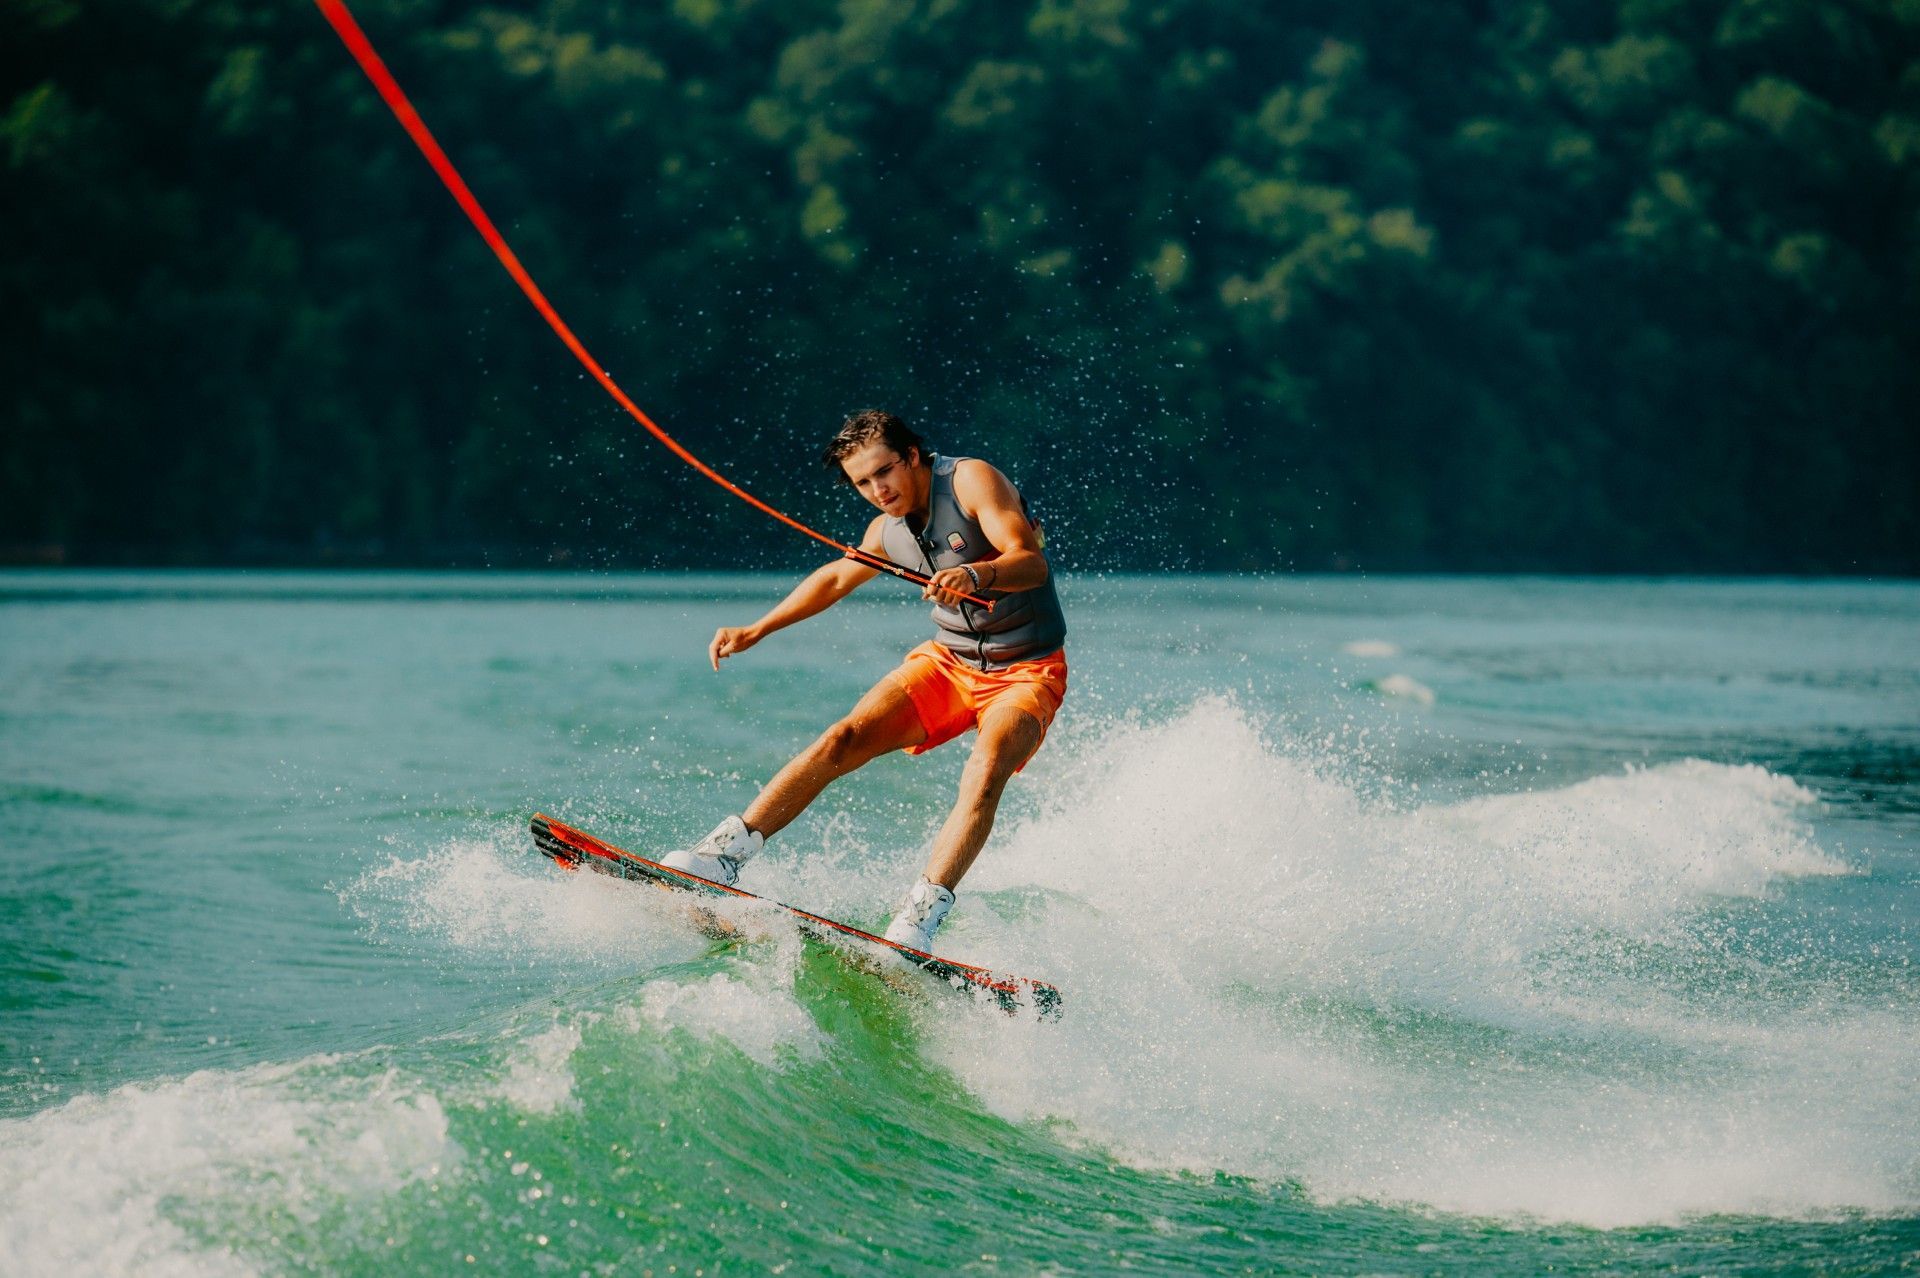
(720, 855)
(920, 916)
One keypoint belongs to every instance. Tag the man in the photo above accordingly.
(958, 521)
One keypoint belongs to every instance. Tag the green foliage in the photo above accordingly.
(1627, 286)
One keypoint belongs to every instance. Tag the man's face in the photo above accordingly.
(883, 477)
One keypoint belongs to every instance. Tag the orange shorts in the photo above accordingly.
(951, 696)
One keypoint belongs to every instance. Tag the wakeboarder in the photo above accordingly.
(1002, 670)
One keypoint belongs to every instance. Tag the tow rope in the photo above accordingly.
(335, 12)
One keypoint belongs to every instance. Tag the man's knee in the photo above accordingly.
(982, 780)
(839, 744)
(851, 742)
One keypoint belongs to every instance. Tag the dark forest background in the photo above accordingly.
(1594, 285)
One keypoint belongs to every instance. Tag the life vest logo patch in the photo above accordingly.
(956, 543)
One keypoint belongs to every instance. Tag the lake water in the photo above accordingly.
(1405, 926)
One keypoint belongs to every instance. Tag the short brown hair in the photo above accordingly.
(867, 427)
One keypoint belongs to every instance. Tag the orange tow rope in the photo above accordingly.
(335, 12)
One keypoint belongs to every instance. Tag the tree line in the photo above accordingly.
(1626, 285)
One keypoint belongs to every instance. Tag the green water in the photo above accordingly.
(1405, 926)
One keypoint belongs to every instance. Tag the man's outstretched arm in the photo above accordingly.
(818, 591)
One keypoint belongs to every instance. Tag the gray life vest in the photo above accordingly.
(1023, 624)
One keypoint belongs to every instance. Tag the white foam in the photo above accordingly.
(539, 1077)
(1638, 845)
(765, 1022)
(1469, 1005)
(491, 897)
(1403, 687)
(89, 1186)
(1371, 648)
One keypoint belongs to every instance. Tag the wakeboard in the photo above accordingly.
(572, 849)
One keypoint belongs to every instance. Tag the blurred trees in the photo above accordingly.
(1494, 284)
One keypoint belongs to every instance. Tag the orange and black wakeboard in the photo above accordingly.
(571, 849)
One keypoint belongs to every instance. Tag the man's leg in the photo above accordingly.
(1008, 738)
(883, 721)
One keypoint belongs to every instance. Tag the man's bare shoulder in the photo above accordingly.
(977, 483)
(874, 540)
